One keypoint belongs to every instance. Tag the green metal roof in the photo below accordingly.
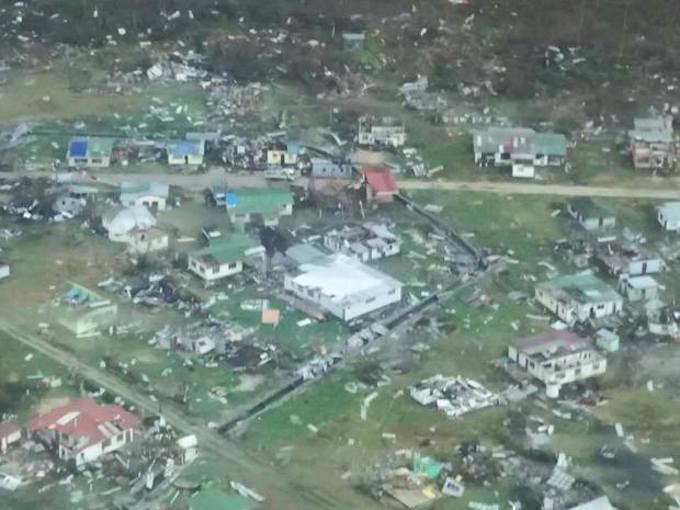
(215, 499)
(265, 201)
(584, 287)
(551, 144)
(228, 249)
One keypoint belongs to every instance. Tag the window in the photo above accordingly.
(370, 300)
(596, 366)
(392, 292)
(106, 443)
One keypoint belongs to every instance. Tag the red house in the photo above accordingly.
(379, 184)
(83, 430)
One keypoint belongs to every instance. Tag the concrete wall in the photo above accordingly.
(211, 273)
(670, 226)
(150, 201)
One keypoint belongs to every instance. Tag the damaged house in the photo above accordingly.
(379, 184)
(186, 152)
(557, 358)
(82, 430)
(579, 297)
(386, 132)
(668, 216)
(636, 262)
(651, 143)
(639, 288)
(85, 312)
(287, 156)
(91, 152)
(224, 257)
(153, 195)
(367, 242)
(258, 205)
(590, 215)
(324, 168)
(522, 149)
(343, 286)
(136, 227)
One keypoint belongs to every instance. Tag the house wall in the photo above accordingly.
(150, 201)
(144, 243)
(331, 170)
(102, 162)
(572, 311)
(195, 160)
(4, 271)
(8, 440)
(668, 225)
(646, 266)
(634, 294)
(211, 273)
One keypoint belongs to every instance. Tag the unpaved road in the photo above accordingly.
(651, 188)
(283, 492)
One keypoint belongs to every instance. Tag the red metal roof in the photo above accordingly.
(381, 180)
(85, 419)
(7, 428)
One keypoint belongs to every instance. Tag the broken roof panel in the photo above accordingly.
(90, 147)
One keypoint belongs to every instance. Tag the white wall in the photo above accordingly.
(149, 201)
(211, 273)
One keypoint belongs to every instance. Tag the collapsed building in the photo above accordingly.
(366, 242)
(557, 358)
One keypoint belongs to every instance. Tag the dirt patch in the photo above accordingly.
(248, 383)
(369, 158)
(46, 405)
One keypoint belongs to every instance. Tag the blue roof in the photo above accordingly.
(77, 148)
(185, 148)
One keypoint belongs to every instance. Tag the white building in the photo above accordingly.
(371, 241)
(343, 286)
(556, 358)
(4, 271)
(153, 195)
(386, 132)
(668, 216)
(224, 257)
(579, 297)
(136, 227)
(82, 431)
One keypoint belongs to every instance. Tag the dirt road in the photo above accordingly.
(652, 188)
(283, 492)
(665, 190)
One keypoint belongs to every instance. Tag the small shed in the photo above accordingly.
(668, 216)
(4, 271)
(590, 214)
(607, 340)
(353, 41)
(153, 195)
(639, 288)
(93, 152)
(186, 152)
